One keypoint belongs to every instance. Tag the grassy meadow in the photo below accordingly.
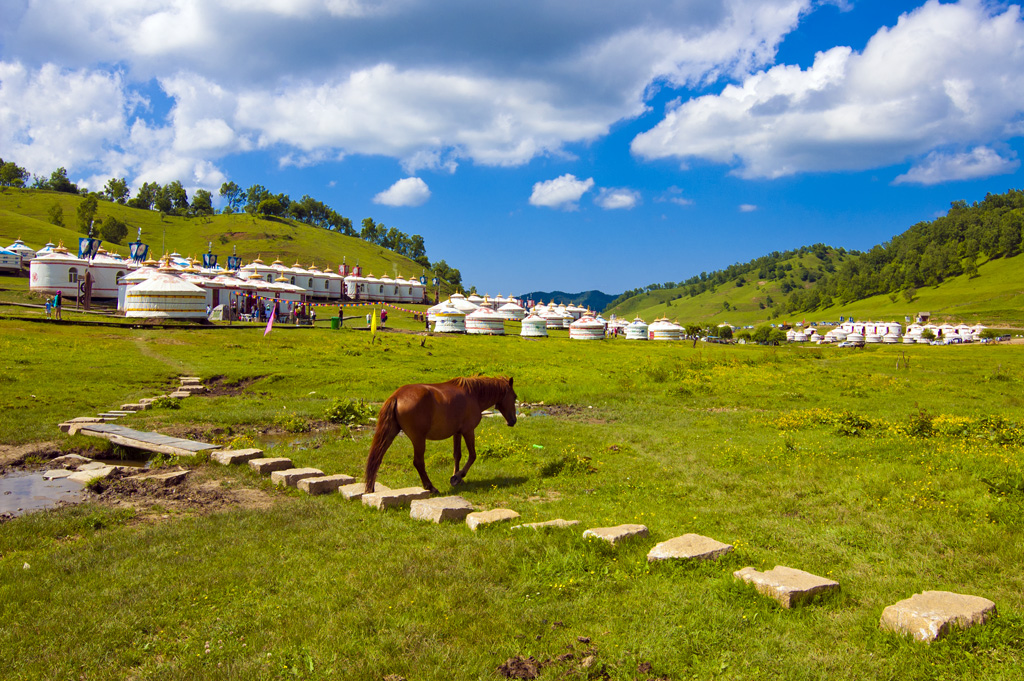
(892, 470)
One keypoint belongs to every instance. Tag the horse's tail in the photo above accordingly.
(383, 436)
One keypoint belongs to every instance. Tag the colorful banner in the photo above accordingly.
(138, 251)
(209, 260)
(234, 262)
(270, 322)
(87, 247)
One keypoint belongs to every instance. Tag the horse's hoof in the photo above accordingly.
(433, 490)
(455, 481)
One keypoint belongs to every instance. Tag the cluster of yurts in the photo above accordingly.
(888, 332)
(177, 287)
(487, 317)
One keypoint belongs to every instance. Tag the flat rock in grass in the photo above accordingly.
(91, 466)
(189, 379)
(165, 478)
(325, 484)
(613, 535)
(396, 498)
(180, 394)
(355, 490)
(87, 476)
(290, 476)
(228, 457)
(484, 518)
(192, 388)
(557, 523)
(929, 616)
(268, 465)
(135, 406)
(786, 585)
(688, 547)
(57, 474)
(440, 509)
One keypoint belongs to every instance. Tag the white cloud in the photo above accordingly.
(612, 199)
(675, 195)
(411, 191)
(945, 75)
(390, 77)
(938, 167)
(562, 192)
(747, 208)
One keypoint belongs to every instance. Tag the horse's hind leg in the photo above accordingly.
(419, 450)
(460, 475)
(457, 455)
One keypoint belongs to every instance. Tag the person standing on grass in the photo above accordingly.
(47, 307)
(383, 317)
(312, 315)
(56, 306)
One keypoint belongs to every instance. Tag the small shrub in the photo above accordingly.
(293, 423)
(851, 424)
(166, 403)
(349, 412)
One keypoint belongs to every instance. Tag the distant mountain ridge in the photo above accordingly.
(595, 300)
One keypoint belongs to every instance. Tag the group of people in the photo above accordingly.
(383, 318)
(53, 306)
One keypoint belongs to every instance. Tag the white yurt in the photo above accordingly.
(10, 261)
(663, 329)
(534, 326)
(165, 294)
(460, 303)
(388, 289)
(485, 322)
(26, 252)
(636, 330)
(586, 328)
(449, 319)
(58, 270)
(134, 277)
(475, 299)
(512, 312)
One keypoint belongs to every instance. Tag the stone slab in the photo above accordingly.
(57, 474)
(151, 442)
(91, 466)
(557, 523)
(290, 477)
(69, 461)
(613, 535)
(135, 406)
(268, 465)
(109, 416)
(180, 394)
(930, 615)
(355, 491)
(192, 388)
(689, 547)
(396, 498)
(325, 484)
(440, 509)
(87, 476)
(148, 400)
(228, 457)
(165, 478)
(786, 585)
(189, 379)
(484, 518)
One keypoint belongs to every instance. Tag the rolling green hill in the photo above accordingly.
(24, 213)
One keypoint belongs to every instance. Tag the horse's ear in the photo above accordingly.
(510, 382)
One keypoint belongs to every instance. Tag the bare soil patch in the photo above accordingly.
(221, 386)
(13, 456)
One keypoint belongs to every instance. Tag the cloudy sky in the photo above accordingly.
(555, 144)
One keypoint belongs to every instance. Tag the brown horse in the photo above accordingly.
(438, 411)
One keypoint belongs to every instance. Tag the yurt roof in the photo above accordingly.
(510, 307)
(162, 282)
(484, 312)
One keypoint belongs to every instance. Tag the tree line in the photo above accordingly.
(257, 201)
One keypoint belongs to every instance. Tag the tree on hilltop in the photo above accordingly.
(116, 190)
(12, 175)
(86, 212)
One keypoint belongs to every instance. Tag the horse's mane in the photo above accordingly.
(486, 388)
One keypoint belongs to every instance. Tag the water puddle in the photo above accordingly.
(24, 491)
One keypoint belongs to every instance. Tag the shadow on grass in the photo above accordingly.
(489, 483)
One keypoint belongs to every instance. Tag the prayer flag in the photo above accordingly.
(373, 322)
(270, 322)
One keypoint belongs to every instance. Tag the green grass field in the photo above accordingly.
(891, 479)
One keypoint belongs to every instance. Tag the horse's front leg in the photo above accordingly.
(419, 450)
(460, 475)
(457, 455)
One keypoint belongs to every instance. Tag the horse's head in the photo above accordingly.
(507, 405)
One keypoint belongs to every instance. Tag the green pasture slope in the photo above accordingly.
(24, 213)
(995, 297)
(893, 470)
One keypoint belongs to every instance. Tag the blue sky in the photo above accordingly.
(562, 144)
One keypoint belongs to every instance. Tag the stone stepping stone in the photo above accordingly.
(355, 490)
(180, 394)
(108, 416)
(69, 460)
(88, 475)
(786, 585)
(192, 388)
(138, 406)
(484, 518)
(613, 535)
(165, 478)
(228, 457)
(266, 466)
(689, 547)
(91, 466)
(930, 615)
(290, 477)
(557, 522)
(440, 509)
(326, 484)
(189, 379)
(145, 401)
(394, 498)
(57, 474)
